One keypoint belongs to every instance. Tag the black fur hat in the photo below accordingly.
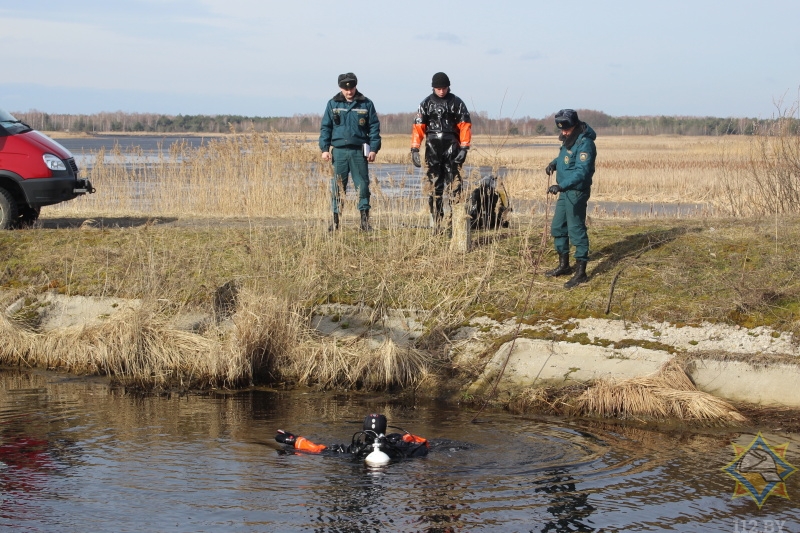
(347, 81)
(567, 118)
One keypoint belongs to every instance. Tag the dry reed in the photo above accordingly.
(267, 340)
(281, 175)
(356, 364)
(668, 394)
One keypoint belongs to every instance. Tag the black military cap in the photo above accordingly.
(347, 81)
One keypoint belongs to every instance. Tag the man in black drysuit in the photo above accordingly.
(444, 124)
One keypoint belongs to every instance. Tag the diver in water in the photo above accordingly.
(371, 439)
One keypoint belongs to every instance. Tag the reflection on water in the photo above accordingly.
(78, 456)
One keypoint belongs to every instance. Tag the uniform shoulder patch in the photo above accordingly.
(583, 156)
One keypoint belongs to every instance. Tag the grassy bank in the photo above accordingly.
(251, 211)
(684, 272)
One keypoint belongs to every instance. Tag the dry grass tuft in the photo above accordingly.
(356, 364)
(266, 335)
(668, 394)
(140, 348)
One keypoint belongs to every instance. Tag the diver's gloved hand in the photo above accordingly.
(415, 157)
(284, 437)
(460, 157)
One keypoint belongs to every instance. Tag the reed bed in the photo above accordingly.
(282, 175)
(136, 347)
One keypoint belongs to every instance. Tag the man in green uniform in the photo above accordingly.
(350, 136)
(574, 169)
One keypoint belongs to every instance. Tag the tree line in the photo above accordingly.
(390, 123)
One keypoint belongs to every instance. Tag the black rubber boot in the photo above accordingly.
(365, 226)
(335, 225)
(579, 277)
(563, 267)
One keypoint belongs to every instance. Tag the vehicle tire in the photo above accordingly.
(28, 216)
(8, 210)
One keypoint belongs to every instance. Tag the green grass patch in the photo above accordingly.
(682, 272)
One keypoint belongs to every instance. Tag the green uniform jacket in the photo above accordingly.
(357, 123)
(575, 165)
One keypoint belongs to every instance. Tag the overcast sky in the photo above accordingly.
(734, 58)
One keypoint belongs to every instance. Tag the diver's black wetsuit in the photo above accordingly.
(395, 445)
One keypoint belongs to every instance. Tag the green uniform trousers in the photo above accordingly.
(569, 224)
(349, 161)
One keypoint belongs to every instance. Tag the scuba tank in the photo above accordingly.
(377, 457)
(375, 426)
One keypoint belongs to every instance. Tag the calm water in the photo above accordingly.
(78, 456)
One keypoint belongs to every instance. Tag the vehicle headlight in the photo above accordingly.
(53, 163)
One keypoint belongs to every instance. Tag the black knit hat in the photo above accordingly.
(440, 80)
(567, 118)
(347, 81)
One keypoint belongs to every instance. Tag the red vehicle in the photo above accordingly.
(34, 171)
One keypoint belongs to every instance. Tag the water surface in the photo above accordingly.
(79, 456)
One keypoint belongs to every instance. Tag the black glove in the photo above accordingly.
(550, 168)
(554, 189)
(460, 157)
(284, 437)
(415, 157)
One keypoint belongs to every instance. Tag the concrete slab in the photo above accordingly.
(541, 363)
(773, 385)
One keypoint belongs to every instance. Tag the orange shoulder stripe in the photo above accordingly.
(417, 135)
(465, 133)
